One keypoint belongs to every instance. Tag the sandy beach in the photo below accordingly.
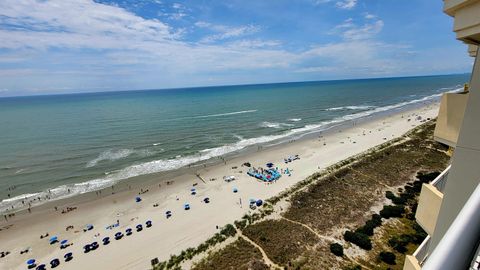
(185, 228)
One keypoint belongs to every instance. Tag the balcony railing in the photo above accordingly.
(421, 253)
(441, 180)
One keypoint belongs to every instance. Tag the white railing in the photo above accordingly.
(457, 247)
(421, 253)
(441, 180)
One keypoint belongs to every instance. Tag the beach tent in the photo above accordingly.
(53, 240)
(68, 256)
(106, 240)
(54, 263)
(41, 267)
(31, 263)
(63, 244)
(138, 199)
(118, 236)
(94, 245)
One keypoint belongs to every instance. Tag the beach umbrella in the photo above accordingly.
(128, 231)
(68, 256)
(186, 206)
(235, 190)
(31, 261)
(118, 235)
(269, 164)
(41, 267)
(54, 263)
(252, 201)
(106, 240)
(138, 199)
(206, 200)
(63, 242)
(139, 227)
(259, 202)
(148, 223)
(89, 227)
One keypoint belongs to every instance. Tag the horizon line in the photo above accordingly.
(226, 85)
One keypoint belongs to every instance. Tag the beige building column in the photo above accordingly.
(464, 174)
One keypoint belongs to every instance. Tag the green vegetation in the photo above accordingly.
(359, 239)
(283, 241)
(237, 255)
(336, 249)
(389, 211)
(387, 257)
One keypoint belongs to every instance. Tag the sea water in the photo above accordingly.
(70, 144)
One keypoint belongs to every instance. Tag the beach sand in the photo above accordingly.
(185, 228)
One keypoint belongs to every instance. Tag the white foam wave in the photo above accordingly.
(179, 162)
(224, 114)
(295, 119)
(344, 108)
(274, 125)
(112, 155)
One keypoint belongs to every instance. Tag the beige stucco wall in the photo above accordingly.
(464, 175)
(467, 21)
(450, 117)
(428, 208)
(411, 263)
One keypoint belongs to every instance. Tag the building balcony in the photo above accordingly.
(450, 118)
(427, 212)
(430, 202)
(467, 22)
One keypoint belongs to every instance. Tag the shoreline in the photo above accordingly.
(178, 233)
(153, 178)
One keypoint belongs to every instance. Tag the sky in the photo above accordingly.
(66, 46)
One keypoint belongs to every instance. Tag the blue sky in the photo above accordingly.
(82, 46)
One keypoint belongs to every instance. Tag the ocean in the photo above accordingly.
(62, 145)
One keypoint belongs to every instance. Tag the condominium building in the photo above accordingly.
(449, 207)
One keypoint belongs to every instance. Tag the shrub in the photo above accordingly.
(228, 230)
(336, 249)
(358, 239)
(389, 211)
(387, 257)
(399, 200)
(240, 224)
(427, 177)
(389, 195)
(398, 244)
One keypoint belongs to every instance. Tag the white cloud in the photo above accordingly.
(225, 32)
(369, 16)
(346, 4)
(351, 31)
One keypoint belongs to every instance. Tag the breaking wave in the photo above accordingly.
(161, 165)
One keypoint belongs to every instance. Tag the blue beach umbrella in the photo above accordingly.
(31, 261)
(138, 199)
(41, 267)
(269, 164)
(53, 240)
(63, 242)
(235, 190)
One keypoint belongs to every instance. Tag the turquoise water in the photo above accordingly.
(83, 142)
